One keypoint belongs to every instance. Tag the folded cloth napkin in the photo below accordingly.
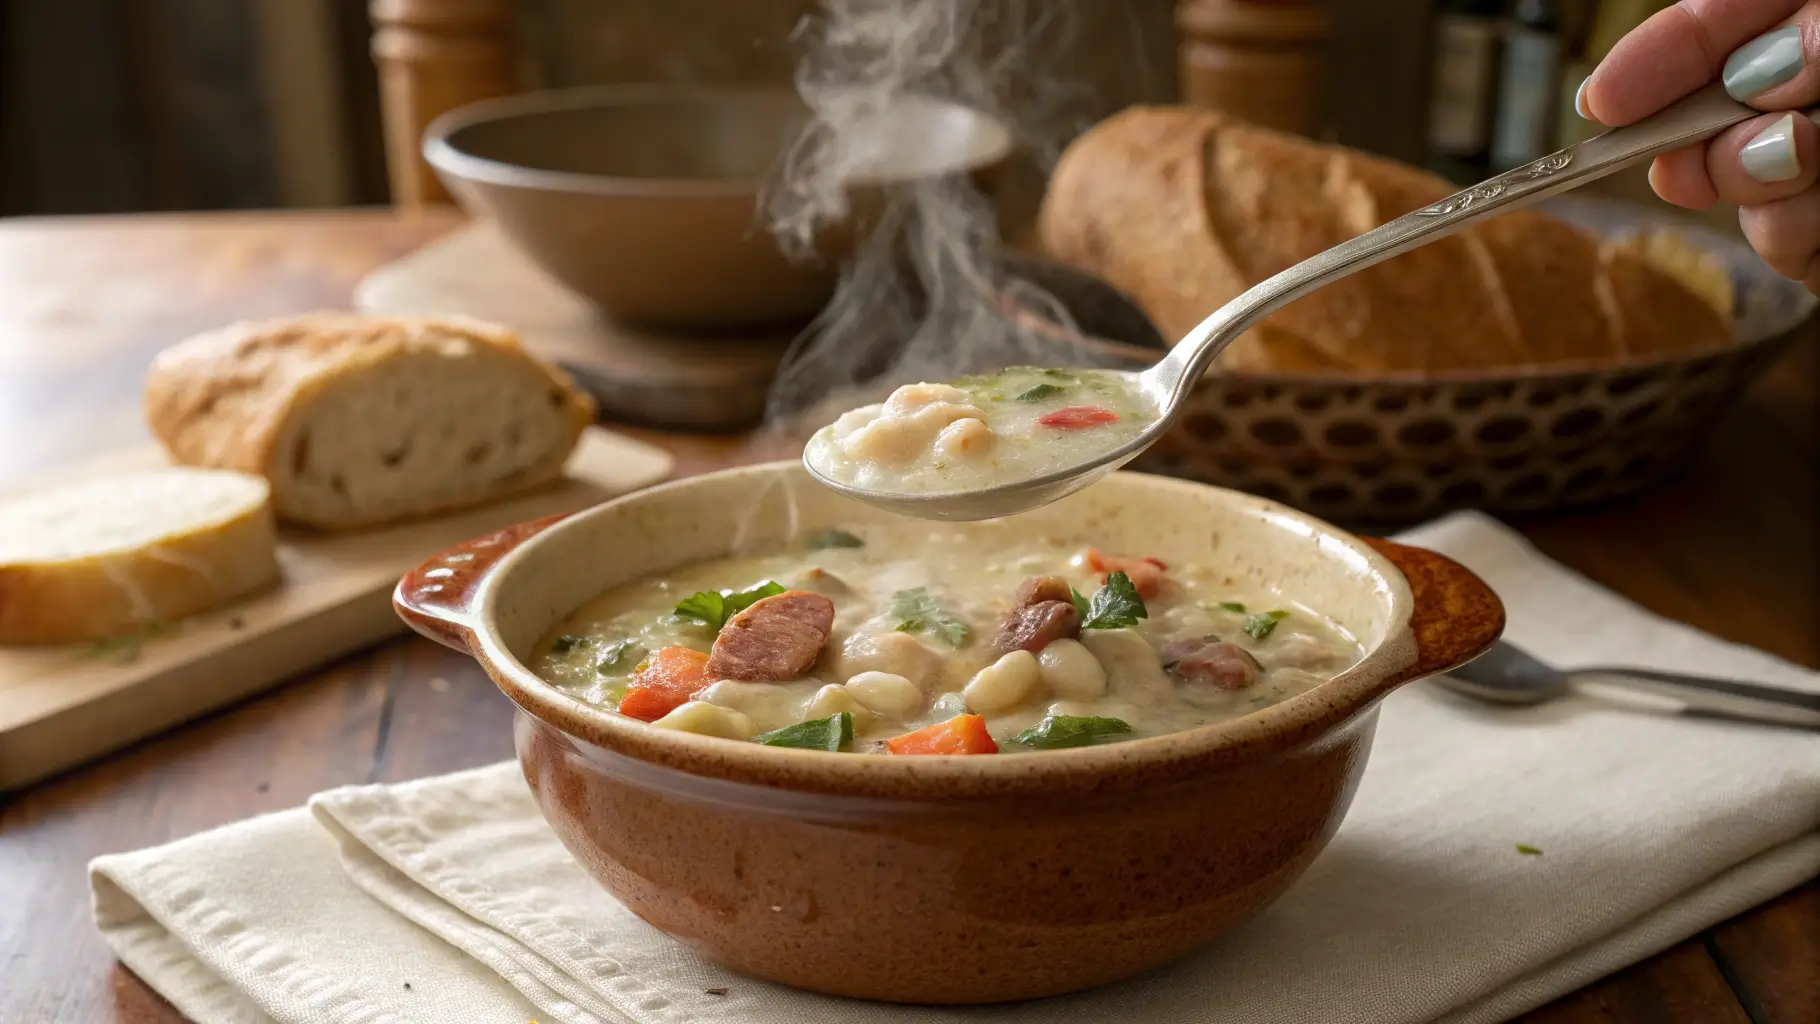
(447, 899)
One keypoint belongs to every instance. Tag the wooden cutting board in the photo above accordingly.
(60, 706)
(660, 378)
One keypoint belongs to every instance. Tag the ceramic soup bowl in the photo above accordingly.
(949, 879)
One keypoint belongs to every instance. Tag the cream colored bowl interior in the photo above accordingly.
(1261, 544)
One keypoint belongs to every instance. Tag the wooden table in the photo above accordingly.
(84, 303)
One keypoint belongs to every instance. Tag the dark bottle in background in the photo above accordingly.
(1529, 85)
(1463, 89)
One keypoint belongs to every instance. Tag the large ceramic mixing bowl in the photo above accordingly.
(949, 879)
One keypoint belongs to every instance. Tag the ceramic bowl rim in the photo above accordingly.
(1299, 719)
(441, 152)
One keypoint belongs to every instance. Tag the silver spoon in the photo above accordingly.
(1168, 383)
(1507, 675)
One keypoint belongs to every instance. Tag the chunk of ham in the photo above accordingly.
(1211, 661)
(1146, 573)
(777, 639)
(1042, 612)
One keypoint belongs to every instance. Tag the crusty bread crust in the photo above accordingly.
(1183, 209)
(227, 398)
(110, 593)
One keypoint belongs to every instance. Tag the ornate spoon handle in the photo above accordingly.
(1699, 116)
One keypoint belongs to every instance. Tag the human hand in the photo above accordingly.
(1768, 54)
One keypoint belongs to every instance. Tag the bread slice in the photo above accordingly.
(1183, 209)
(363, 420)
(111, 556)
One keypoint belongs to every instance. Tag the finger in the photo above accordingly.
(1769, 157)
(1786, 233)
(1680, 177)
(1677, 50)
(1780, 69)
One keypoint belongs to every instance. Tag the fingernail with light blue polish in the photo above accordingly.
(1770, 157)
(1764, 63)
(1580, 99)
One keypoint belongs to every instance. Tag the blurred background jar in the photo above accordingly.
(1258, 60)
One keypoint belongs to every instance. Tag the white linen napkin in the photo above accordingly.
(447, 899)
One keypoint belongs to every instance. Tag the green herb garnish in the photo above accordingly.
(1115, 605)
(916, 611)
(1040, 392)
(1080, 603)
(834, 733)
(1232, 606)
(618, 656)
(1059, 374)
(714, 607)
(1528, 850)
(1259, 626)
(834, 539)
(566, 643)
(1058, 731)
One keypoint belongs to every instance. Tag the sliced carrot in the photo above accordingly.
(664, 683)
(962, 734)
(1147, 574)
(1076, 417)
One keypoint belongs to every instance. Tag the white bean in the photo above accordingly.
(768, 705)
(701, 717)
(964, 437)
(886, 693)
(1004, 684)
(834, 699)
(1071, 671)
(897, 653)
(1132, 668)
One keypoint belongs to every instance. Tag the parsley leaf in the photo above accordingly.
(1232, 606)
(834, 539)
(1040, 392)
(1259, 626)
(1080, 603)
(834, 733)
(618, 655)
(565, 643)
(916, 611)
(1528, 850)
(1115, 605)
(1058, 731)
(713, 608)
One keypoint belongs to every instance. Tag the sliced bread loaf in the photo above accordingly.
(111, 556)
(362, 420)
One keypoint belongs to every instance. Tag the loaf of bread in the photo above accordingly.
(111, 556)
(363, 420)
(1183, 209)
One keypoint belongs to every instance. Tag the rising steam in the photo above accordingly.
(923, 297)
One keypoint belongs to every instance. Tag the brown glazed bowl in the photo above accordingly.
(644, 198)
(949, 879)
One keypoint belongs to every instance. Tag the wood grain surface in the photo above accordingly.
(1730, 548)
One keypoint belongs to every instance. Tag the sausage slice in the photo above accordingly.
(1211, 661)
(1043, 610)
(775, 640)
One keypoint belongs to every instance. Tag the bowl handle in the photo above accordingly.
(437, 598)
(1457, 616)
